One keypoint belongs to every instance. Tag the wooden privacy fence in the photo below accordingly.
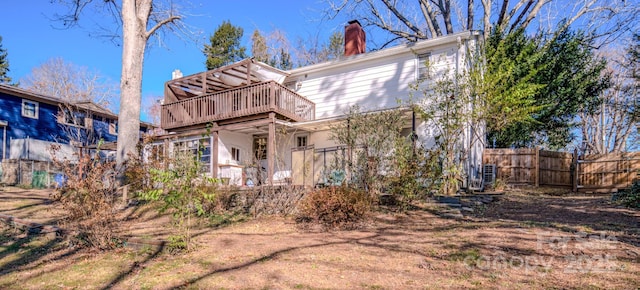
(608, 172)
(530, 166)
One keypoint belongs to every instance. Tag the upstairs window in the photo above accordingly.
(423, 65)
(113, 128)
(73, 118)
(30, 109)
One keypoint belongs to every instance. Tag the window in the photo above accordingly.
(113, 127)
(301, 141)
(30, 109)
(423, 65)
(74, 118)
(202, 146)
(235, 154)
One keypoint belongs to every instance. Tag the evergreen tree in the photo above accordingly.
(283, 61)
(571, 78)
(4, 65)
(259, 48)
(335, 48)
(225, 46)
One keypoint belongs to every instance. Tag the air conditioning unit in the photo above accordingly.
(489, 174)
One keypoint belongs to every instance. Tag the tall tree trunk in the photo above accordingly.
(135, 18)
(134, 41)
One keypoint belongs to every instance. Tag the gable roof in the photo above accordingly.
(93, 107)
(18, 92)
(86, 105)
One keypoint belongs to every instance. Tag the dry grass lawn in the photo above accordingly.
(523, 240)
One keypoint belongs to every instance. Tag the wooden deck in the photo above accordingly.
(265, 97)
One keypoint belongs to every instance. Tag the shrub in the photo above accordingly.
(334, 206)
(629, 197)
(184, 192)
(89, 198)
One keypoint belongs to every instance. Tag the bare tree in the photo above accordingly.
(139, 20)
(423, 19)
(71, 83)
(610, 128)
(153, 109)
(312, 51)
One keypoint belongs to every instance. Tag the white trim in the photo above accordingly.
(37, 108)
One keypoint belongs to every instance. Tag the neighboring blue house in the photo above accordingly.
(30, 122)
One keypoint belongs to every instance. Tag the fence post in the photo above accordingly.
(537, 167)
(48, 174)
(574, 170)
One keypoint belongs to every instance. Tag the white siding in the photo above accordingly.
(375, 84)
(228, 139)
(229, 168)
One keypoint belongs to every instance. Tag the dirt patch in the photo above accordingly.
(570, 213)
(518, 241)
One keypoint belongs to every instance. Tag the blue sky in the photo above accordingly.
(31, 37)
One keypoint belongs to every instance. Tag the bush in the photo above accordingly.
(334, 206)
(89, 198)
(629, 197)
(184, 192)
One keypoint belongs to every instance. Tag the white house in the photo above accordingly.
(258, 124)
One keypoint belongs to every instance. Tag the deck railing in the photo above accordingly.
(255, 99)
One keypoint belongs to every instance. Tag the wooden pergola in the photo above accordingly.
(242, 73)
(247, 96)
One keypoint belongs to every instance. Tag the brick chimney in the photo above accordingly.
(354, 39)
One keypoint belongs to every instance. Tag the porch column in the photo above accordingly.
(214, 151)
(165, 154)
(271, 148)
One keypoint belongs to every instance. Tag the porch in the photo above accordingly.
(257, 99)
(247, 98)
(246, 90)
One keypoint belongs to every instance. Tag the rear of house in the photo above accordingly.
(260, 125)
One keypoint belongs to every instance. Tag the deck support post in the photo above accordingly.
(271, 148)
(214, 151)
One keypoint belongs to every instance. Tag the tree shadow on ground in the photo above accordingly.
(31, 250)
(569, 214)
(135, 267)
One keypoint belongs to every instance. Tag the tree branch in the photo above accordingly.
(432, 22)
(403, 19)
(534, 11)
(470, 11)
(165, 21)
